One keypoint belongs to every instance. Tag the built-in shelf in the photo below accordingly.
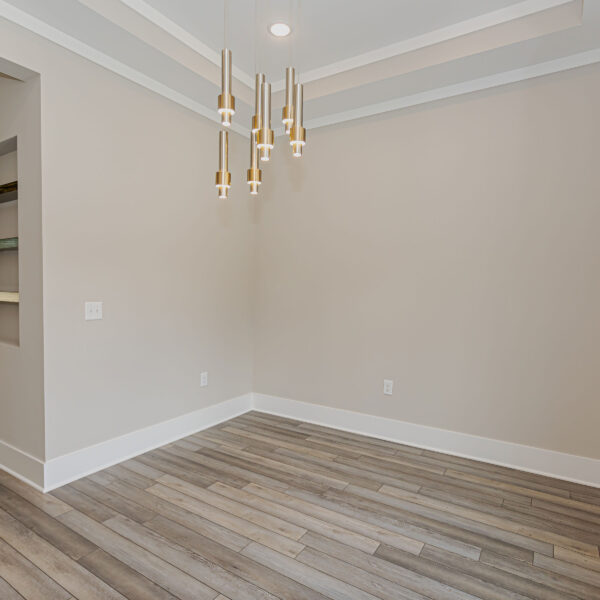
(9, 191)
(10, 306)
(11, 243)
(9, 297)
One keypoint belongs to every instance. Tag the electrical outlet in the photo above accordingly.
(388, 387)
(204, 379)
(93, 311)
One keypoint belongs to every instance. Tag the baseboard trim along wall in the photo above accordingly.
(46, 476)
(69, 467)
(22, 465)
(578, 469)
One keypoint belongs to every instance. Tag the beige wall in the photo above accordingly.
(131, 218)
(453, 248)
(21, 366)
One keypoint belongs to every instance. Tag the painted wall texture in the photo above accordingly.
(453, 248)
(21, 341)
(130, 218)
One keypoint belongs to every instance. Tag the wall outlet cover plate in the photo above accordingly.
(388, 387)
(93, 311)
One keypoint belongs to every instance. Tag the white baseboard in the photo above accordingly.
(46, 476)
(22, 465)
(578, 469)
(69, 467)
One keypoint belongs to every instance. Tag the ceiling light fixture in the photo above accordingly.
(298, 133)
(254, 173)
(223, 176)
(257, 118)
(287, 114)
(226, 108)
(262, 136)
(280, 29)
(265, 133)
(226, 103)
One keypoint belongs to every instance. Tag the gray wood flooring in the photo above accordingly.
(262, 507)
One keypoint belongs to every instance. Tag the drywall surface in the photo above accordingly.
(21, 327)
(452, 248)
(131, 218)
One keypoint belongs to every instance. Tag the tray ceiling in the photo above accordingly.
(356, 58)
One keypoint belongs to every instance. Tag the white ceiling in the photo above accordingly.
(356, 58)
(324, 31)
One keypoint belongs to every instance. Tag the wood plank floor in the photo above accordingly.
(263, 507)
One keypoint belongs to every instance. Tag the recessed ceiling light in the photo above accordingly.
(280, 29)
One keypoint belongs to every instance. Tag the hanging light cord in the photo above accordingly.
(256, 38)
(224, 23)
(290, 45)
(295, 9)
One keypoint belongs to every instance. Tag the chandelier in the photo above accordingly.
(262, 137)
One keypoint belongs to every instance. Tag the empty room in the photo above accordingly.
(299, 300)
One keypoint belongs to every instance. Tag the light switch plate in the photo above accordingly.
(388, 387)
(204, 379)
(93, 311)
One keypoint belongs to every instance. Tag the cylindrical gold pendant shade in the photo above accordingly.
(298, 133)
(223, 176)
(265, 133)
(257, 118)
(287, 115)
(254, 173)
(262, 137)
(226, 104)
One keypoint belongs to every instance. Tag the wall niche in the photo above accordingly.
(9, 243)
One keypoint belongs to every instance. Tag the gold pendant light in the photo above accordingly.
(298, 133)
(254, 173)
(262, 136)
(287, 115)
(226, 105)
(266, 136)
(223, 176)
(257, 118)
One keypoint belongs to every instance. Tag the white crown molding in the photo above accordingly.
(69, 467)
(569, 467)
(27, 21)
(185, 37)
(465, 87)
(431, 38)
(485, 21)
